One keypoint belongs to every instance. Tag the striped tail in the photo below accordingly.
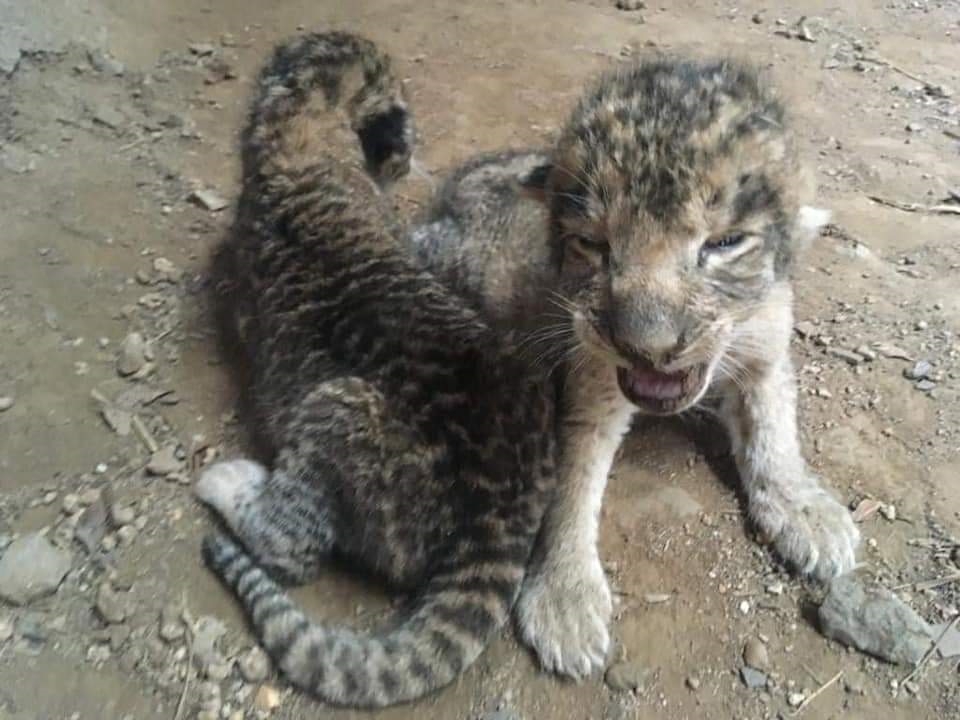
(439, 635)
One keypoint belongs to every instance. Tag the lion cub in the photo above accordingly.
(653, 266)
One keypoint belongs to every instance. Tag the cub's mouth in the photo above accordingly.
(661, 393)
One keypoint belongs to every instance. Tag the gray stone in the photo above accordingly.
(873, 620)
(164, 461)
(206, 636)
(134, 353)
(626, 677)
(32, 568)
(6, 402)
(111, 605)
(848, 356)
(208, 200)
(755, 654)
(919, 371)
(753, 679)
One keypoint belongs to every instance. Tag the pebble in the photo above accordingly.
(920, 370)
(126, 535)
(111, 606)
(630, 5)
(693, 682)
(166, 270)
(206, 635)
(254, 665)
(208, 200)
(92, 523)
(753, 679)
(892, 351)
(164, 461)
(202, 49)
(744, 607)
(925, 385)
(6, 629)
(171, 626)
(121, 514)
(775, 588)
(134, 354)
(6, 402)
(755, 654)
(873, 620)
(32, 567)
(865, 509)
(889, 512)
(848, 356)
(70, 504)
(267, 698)
(866, 353)
(795, 699)
(626, 677)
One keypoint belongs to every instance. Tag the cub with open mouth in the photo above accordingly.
(653, 267)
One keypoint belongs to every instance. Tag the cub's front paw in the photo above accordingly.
(809, 529)
(563, 613)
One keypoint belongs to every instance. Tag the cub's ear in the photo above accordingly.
(809, 222)
(533, 183)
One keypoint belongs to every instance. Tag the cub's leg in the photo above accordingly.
(810, 530)
(565, 603)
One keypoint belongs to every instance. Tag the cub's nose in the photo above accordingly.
(653, 339)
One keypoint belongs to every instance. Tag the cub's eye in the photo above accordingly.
(589, 245)
(725, 242)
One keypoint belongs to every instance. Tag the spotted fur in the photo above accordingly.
(405, 433)
(650, 262)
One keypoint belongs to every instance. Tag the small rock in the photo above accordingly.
(219, 670)
(202, 49)
(120, 421)
(121, 514)
(626, 677)
(865, 509)
(744, 607)
(806, 329)
(6, 629)
(848, 356)
(171, 626)
(866, 353)
(126, 535)
(164, 461)
(111, 606)
(70, 504)
(630, 5)
(657, 598)
(873, 620)
(98, 654)
(134, 354)
(208, 200)
(795, 699)
(914, 127)
(920, 370)
(892, 351)
(921, 325)
(31, 568)
(775, 588)
(6, 402)
(206, 636)
(755, 654)
(267, 699)
(693, 682)
(105, 63)
(824, 393)
(889, 512)
(925, 385)
(166, 270)
(92, 525)
(254, 665)
(753, 679)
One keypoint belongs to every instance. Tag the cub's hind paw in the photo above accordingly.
(563, 613)
(229, 487)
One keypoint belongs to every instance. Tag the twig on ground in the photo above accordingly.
(929, 584)
(917, 207)
(932, 651)
(810, 698)
(144, 433)
(188, 622)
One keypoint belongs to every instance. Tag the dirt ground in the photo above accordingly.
(116, 112)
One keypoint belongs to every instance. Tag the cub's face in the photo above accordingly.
(674, 212)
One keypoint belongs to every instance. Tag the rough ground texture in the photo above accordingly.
(102, 145)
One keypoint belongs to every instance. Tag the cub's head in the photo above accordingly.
(674, 199)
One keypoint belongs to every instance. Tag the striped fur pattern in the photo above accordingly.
(405, 434)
